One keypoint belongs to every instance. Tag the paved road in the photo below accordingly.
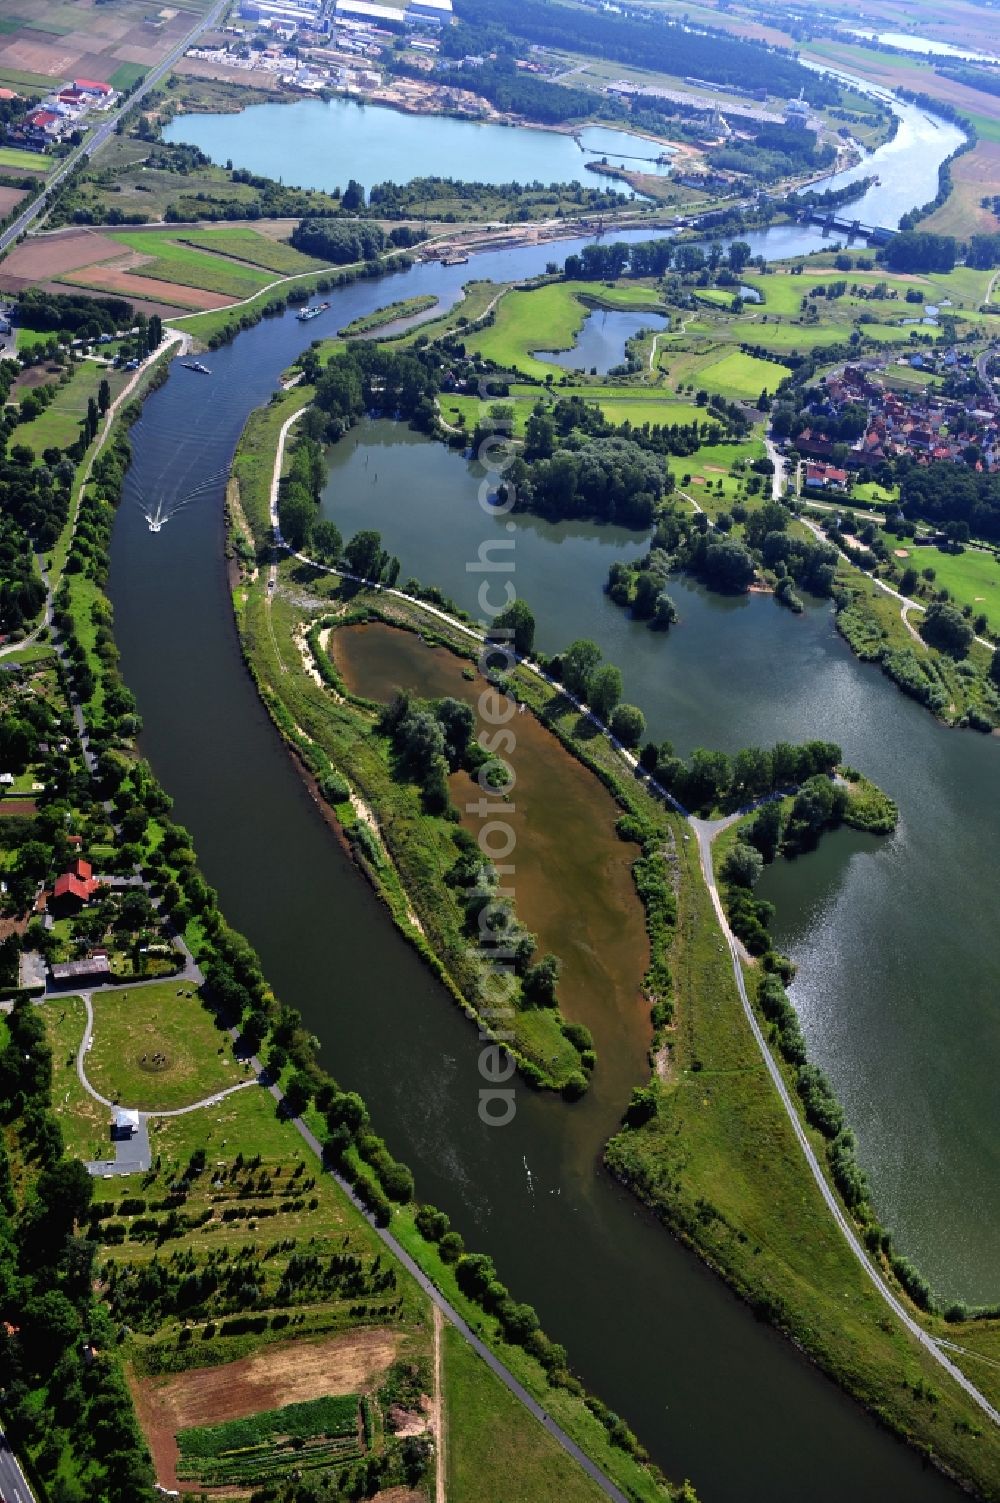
(705, 831)
(177, 1111)
(465, 1331)
(171, 337)
(106, 129)
(13, 1483)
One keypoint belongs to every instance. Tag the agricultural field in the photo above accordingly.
(51, 41)
(249, 1284)
(253, 247)
(270, 1443)
(25, 161)
(170, 260)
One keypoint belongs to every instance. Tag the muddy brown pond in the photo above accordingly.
(576, 895)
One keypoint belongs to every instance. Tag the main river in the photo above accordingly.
(713, 1393)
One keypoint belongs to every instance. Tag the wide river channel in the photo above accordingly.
(897, 940)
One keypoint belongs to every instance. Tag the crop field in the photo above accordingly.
(172, 261)
(739, 375)
(268, 1445)
(132, 285)
(47, 41)
(313, 1384)
(25, 161)
(248, 245)
(126, 75)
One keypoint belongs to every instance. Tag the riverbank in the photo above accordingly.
(722, 1197)
(302, 1093)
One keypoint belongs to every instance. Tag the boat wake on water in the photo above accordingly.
(158, 513)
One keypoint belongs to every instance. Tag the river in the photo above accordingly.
(713, 1393)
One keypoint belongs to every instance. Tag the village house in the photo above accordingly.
(74, 889)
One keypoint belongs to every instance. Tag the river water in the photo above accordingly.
(712, 1393)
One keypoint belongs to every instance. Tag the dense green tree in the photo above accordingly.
(296, 514)
(944, 627)
(578, 663)
(364, 555)
(604, 690)
(743, 865)
(517, 618)
(628, 724)
(325, 540)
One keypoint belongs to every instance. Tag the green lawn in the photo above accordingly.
(175, 262)
(59, 424)
(494, 1451)
(25, 161)
(134, 1024)
(248, 245)
(739, 375)
(84, 1122)
(127, 74)
(972, 577)
(547, 318)
(619, 405)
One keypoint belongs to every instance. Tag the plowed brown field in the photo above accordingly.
(289, 1373)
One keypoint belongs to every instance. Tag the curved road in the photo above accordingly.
(705, 831)
(395, 1247)
(177, 1111)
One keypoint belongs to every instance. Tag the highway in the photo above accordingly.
(13, 1484)
(104, 132)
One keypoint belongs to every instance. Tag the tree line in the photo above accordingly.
(650, 44)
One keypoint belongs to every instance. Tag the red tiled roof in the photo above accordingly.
(82, 869)
(90, 83)
(68, 886)
(42, 118)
